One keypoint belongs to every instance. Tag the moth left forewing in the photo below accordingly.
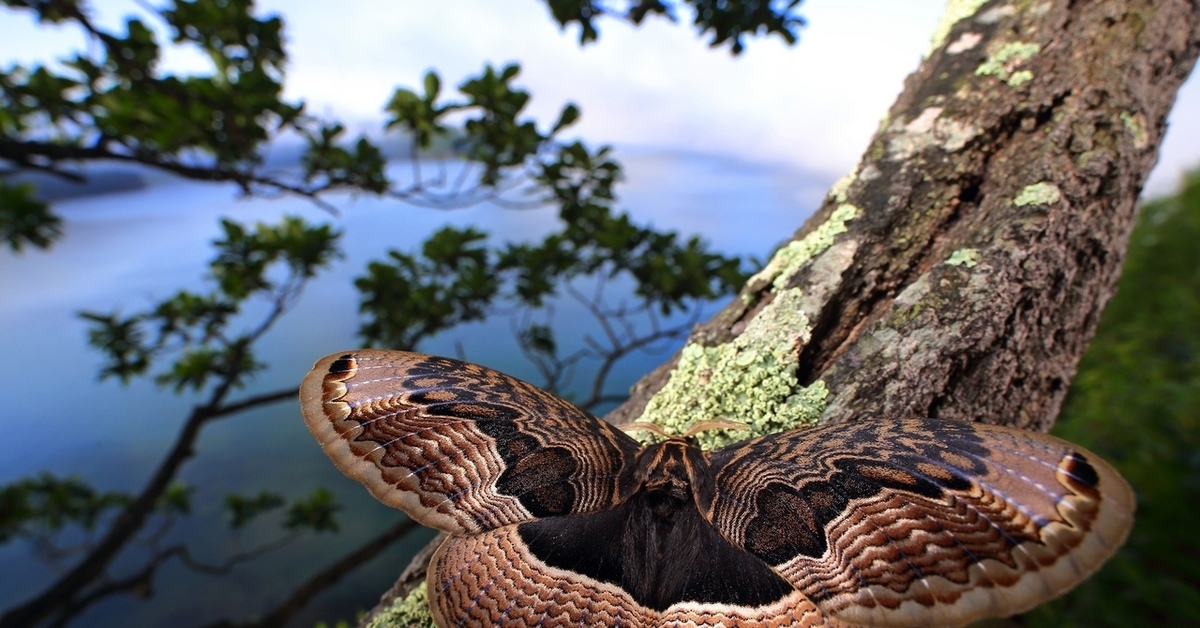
(921, 522)
(457, 446)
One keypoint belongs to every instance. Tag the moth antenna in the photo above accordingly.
(645, 426)
(715, 424)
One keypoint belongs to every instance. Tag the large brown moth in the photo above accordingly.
(557, 518)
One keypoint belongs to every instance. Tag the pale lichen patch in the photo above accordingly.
(909, 139)
(791, 256)
(965, 42)
(1040, 9)
(995, 14)
(1136, 125)
(924, 122)
(956, 11)
(1004, 62)
(954, 134)
(929, 129)
(410, 611)
(751, 380)
(1043, 193)
(964, 257)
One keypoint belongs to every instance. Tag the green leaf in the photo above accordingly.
(123, 343)
(177, 499)
(569, 115)
(47, 504)
(316, 512)
(242, 510)
(726, 21)
(539, 339)
(409, 298)
(192, 369)
(433, 85)
(24, 220)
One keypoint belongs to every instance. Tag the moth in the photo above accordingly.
(557, 518)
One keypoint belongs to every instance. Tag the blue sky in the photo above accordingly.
(813, 106)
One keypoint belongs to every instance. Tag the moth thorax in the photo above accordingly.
(667, 469)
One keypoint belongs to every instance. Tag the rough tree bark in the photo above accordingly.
(960, 271)
(1021, 144)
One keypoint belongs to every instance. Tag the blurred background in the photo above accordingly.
(736, 150)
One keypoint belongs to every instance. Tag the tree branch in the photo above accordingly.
(326, 578)
(63, 593)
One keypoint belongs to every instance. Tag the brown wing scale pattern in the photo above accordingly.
(559, 519)
(459, 447)
(921, 522)
(492, 579)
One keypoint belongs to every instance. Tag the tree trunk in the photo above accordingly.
(991, 216)
(960, 271)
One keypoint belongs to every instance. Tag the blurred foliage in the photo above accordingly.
(45, 505)
(314, 512)
(114, 100)
(24, 220)
(111, 103)
(1136, 402)
(725, 20)
(243, 510)
(269, 263)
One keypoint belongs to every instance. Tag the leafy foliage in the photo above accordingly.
(1136, 402)
(726, 20)
(315, 512)
(177, 499)
(113, 100)
(195, 327)
(243, 510)
(411, 297)
(24, 220)
(46, 504)
(456, 279)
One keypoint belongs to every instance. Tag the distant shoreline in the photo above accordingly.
(97, 181)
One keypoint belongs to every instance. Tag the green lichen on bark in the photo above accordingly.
(751, 379)
(1038, 194)
(1003, 63)
(1020, 77)
(842, 186)
(410, 611)
(1136, 125)
(791, 256)
(964, 257)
